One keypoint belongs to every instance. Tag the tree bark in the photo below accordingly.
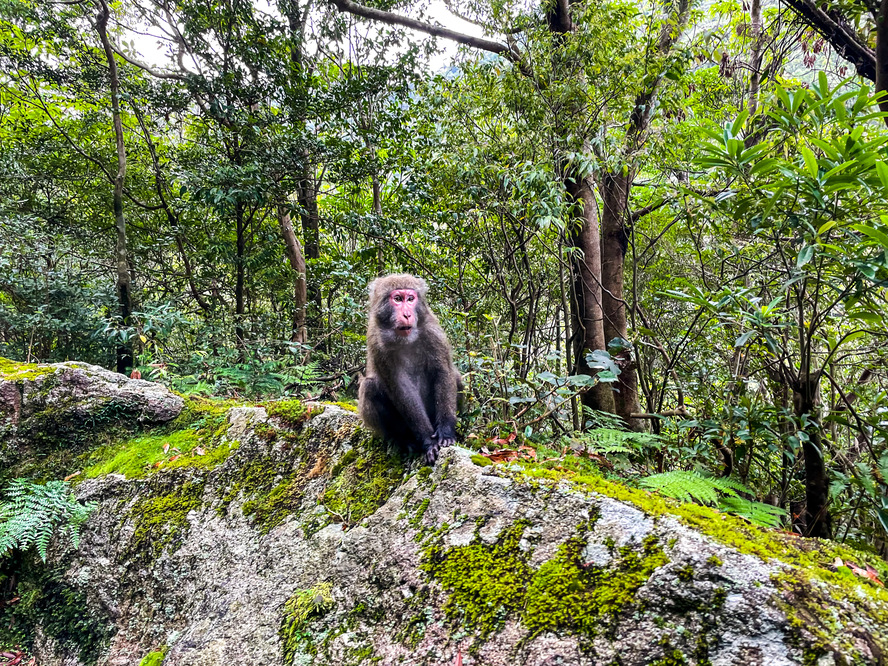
(124, 352)
(755, 65)
(306, 186)
(240, 270)
(806, 403)
(297, 263)
(614, 244)
(587, 320)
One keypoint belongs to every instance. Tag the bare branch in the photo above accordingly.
(390, 18)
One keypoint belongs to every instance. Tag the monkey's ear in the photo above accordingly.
(371, 289)
(422, 287)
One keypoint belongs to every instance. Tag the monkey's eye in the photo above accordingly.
(398, 298)
(410, 299)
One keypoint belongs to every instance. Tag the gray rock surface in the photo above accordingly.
(311, 545)
(50, 404)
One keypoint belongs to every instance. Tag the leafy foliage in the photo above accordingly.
(692, 486)
(33, 513)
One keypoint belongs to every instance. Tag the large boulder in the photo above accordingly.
(292, 537)
(48, 406)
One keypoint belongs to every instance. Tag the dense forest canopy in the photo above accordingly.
(661, 221)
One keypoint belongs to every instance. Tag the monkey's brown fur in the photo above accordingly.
(409, 395)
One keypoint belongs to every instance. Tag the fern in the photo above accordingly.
(33, 513)
(756, 512)
(611, 440)
(693, 487)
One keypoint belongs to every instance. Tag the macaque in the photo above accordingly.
(409, 394)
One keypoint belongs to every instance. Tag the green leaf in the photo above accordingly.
(880, 236)
(805, 256)
(810, 161)
(743, 339)
(882, 170)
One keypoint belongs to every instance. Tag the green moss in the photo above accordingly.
(300, 610)
(714, 560)
(18, 372)
(271, 509)
(481, 461)
(292, 413)
(567, 594)
(487, 583)
(416, 520)
(347, 406)
(161, 520)
(363, 482)
(196, 438)
(153, 658)
(685, 573)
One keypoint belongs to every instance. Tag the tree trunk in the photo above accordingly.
(755, 65)
(586, 312)
(297, 263)
(882, 55)
(124, 282)
(614, 244)
(306, 186)
(240, 273)
(806, 403)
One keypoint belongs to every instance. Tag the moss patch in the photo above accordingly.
(362, 481)
(153, 658)
(347, 406)
(300, 610)
(49, 602)
(196, 438)
(487, 583)
(292, 413)
(14, 371)
(161, 520)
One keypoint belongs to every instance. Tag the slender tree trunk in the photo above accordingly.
(882, 55)
(124, 282)
(755, 65)
(806, 401)
(586, 313)
(614, 244)
(306, 185)
(377, 210)
(240, 267)
(297, 263)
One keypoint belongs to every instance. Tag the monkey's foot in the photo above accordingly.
(431, 446)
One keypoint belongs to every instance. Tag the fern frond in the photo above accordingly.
(760, 513)
(611, 440)
(33, 513)
(692, 486)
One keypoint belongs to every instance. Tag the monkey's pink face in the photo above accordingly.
(404, 302)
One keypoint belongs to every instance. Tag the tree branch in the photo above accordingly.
(840, 34)
(390, 18)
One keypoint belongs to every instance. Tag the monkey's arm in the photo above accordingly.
(446, 388)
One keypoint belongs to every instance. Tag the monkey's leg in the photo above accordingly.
(379, 414)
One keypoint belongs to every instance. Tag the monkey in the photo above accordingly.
(409, 393)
